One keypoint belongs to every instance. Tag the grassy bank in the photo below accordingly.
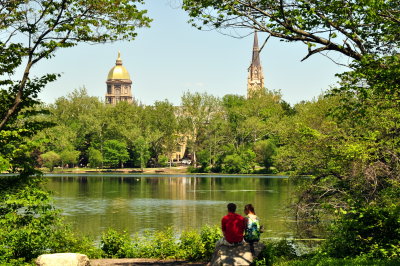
(191, 245)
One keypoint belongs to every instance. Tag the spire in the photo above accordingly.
(255, 81)
(119, 60)
(256, 52)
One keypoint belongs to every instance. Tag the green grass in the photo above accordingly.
(359, 261)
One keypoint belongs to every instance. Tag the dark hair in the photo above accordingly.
(231, 207)
(249, 208)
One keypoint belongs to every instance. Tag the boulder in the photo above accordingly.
(236, 255)
(64, 259)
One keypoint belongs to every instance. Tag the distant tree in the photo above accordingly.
(4, 164)
(115, 153)
(265, 150)
(95, 157)
(81, 123)
(163, 160)
(242, 162)
(141, 149)
(69, 157)
(197, 111)
(50, 159)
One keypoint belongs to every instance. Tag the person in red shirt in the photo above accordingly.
(233, 226)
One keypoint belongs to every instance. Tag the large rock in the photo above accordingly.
(63, 259)
(237, 255)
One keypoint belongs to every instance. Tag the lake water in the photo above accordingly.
(95, 202)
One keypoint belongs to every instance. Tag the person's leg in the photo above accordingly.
(223, 242)
(251, 243)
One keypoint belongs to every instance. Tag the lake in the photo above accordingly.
(138, 202)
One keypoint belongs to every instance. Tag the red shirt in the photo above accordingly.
(233, 226)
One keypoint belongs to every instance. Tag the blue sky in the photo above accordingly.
(172, 57)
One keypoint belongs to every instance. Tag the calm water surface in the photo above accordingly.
(136, 203)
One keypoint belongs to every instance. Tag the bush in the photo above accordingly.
(373, 230)
(166, 245)
(191, 245)
(209, 236)
(162, 161)
(274, 251)
(239, 163)
(115, 244)
(159, 244)
(30, 226)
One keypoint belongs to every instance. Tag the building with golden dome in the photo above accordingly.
(119, 84)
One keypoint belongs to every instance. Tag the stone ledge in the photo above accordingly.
(238, 255)
(64, 259)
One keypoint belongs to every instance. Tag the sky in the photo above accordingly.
(172, 57)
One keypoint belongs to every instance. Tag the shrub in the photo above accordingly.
(190, 246)
(159, 244)
(209, 236)
(30, 226)
(162, 160)
(164, 244)
(274, 251)
(115, 244)
(372, 230)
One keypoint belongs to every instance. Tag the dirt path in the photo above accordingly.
(141, 262)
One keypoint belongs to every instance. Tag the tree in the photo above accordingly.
(141, 149)
(197, 110)
(162, 118)
(95, 157)
(50, 159)
(115, 153)
(34, 30)
(241, 162)
(352, 28)
(69, 157)
(4, 164)
(348, 141)
(265, 150)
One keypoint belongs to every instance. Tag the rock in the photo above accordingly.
(63, 259)
(237, 255)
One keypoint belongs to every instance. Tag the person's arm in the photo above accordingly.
(223, 226)
(245, 221)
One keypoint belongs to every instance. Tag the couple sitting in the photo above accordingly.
(236, 227)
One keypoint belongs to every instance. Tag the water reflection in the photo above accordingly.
(152, 202)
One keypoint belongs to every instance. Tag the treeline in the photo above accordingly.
(231, 134)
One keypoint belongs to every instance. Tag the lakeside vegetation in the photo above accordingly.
(347, 140)
(229, 135)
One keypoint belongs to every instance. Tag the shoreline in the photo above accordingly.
(181, 170)
(177, 170)
(161, 170)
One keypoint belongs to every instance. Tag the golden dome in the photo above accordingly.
(119, 71)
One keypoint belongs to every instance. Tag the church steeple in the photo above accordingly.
(255, 80)
(256, 52)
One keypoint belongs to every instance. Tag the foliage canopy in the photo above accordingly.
(353, 28)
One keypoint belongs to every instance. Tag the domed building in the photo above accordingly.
(118, 84)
